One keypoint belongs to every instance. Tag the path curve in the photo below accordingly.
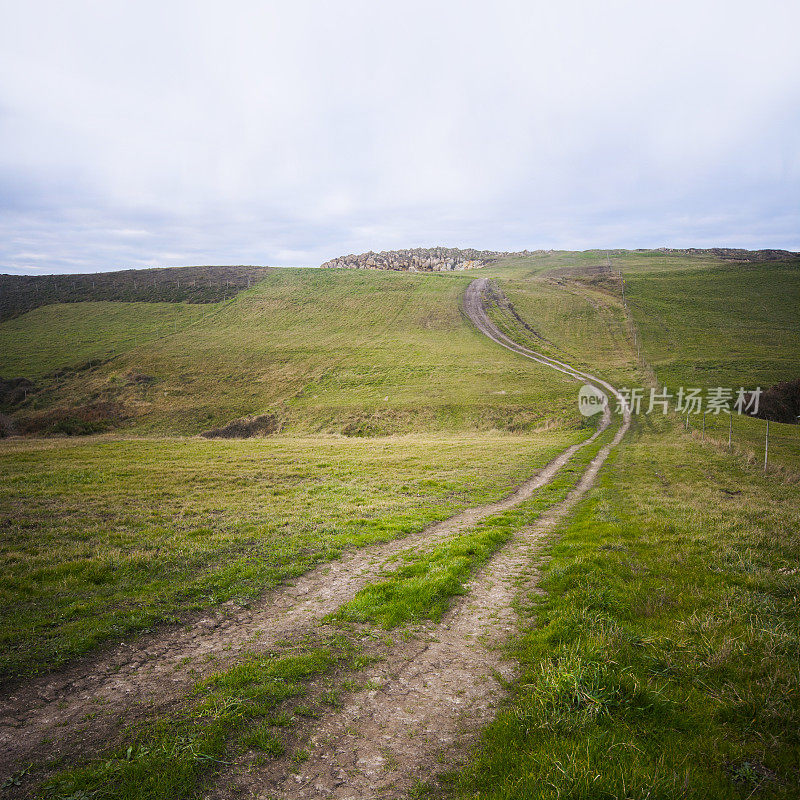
(475, 309)
(434, 693)
(47, 716)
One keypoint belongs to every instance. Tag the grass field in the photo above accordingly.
(732, 326)
(59, 336)
(583, 327)
(251, 705)
(661, 663)
(146, 529)
(665, 657)
(719, 325)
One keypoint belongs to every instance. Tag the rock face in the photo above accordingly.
(420, 259)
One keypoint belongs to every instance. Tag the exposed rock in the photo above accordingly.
(420, 259)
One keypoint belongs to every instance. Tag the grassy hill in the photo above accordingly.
(663, 659)
(61, 336)
(702, 321)
(349, 352)
(435, 417)
(731, 326)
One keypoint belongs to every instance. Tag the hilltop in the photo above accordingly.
(421, 259)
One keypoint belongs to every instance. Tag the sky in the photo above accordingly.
(137, 134)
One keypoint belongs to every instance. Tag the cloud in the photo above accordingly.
(189, 132)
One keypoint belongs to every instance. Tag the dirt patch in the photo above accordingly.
(72, 421)
(263, 425)
(139, 379)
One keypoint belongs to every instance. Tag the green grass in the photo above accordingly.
(748, 440)
(363, 353)
(663, 661)
(146, 529)
(630, 261)
(232, 710)
(428, 579)
(715, 324)
(732, 326)
(582, 327)
(59, 336)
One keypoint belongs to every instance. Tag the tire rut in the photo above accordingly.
(82, 709)
(436, 693)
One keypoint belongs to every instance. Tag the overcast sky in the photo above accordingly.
(164, 133)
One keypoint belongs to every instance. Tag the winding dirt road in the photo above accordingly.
(434, 690)
(47, 717)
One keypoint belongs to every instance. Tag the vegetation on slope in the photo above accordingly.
(664, 659)
(731, 326)
(715, 324)
(22, 293)
(359, 353)
(57, 337)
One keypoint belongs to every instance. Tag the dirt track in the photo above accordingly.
(48, 716)
(435, 691)
(437, 687)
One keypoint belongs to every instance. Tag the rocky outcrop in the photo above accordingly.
(732, 253)
(420, 259)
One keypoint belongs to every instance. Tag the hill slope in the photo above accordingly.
(339, 351)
